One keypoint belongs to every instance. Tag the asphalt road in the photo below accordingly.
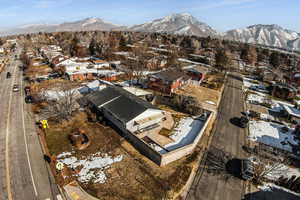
(229, 138)
(23, 171)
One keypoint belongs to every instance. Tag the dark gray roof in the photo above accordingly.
(170, 75)
(120, 103)
(198, 69)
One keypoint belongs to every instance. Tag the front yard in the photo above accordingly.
(110, 168)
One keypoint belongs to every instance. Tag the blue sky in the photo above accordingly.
(220, 14)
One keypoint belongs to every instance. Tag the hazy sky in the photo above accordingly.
(222, 15)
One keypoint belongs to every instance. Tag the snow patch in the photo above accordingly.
(271, 134)
(91, 168)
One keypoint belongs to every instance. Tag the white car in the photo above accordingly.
(16, 88)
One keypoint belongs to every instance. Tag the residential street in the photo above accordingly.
(22, 168)
(229, 138)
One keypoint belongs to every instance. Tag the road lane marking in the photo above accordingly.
(25, 139)
(8, 184)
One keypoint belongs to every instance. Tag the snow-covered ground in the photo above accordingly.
(91, 168)
(270, 134)
(184, 133)
(256, 98)
(281, 170)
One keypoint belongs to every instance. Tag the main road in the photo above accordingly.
(23, 172)
(229, 138)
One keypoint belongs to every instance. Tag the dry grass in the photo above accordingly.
(214, 81)
(135, 177)
(202, 94)
(38, 70)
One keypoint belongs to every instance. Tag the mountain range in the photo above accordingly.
(181, 24)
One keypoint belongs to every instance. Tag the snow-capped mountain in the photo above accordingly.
(183, 24)
(87, 24)
(270, 35)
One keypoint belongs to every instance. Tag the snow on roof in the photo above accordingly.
(93, 84)
(297, 75)
(255, 98)
(137, 91)
(122, 53)
(270, 134)
(248, 82)
(184, 134)
(189, 61)
(292, 111)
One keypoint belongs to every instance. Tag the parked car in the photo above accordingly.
(27, 91)
(16, 88)
(247, 169)
(29, 99)
(8, 75)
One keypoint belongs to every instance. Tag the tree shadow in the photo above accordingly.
(271, 194)
(235, 121)
(233, 167)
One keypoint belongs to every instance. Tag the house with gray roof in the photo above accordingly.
(125, 110)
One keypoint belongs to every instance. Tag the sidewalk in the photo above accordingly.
(73, 191)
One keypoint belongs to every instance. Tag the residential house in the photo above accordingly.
(196, 72)
(140, 123)
(167, 81)
(84, 69)
(125, 110)
(295, 79)
(269, 76)
(284, 91)
(292, 113)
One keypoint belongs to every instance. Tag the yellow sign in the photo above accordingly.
(60, 166)
(44, 124)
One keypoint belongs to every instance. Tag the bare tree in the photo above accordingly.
(263, 171)
(61, 102)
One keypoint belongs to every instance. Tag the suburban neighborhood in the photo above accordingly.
(156, 111)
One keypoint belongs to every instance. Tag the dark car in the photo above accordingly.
(247, 169)
(244, 122)
(54, 76)
(29, 99)
(8, 75)
(27, 91)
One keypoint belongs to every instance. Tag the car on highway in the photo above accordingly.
(8, 75)
(16, 88)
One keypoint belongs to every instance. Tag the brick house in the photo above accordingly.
(167, 81)
(295, 79)
(196, 72)
(284, 91)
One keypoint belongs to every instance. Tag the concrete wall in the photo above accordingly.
(179, 153)
(133, 128)
(144, 148)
